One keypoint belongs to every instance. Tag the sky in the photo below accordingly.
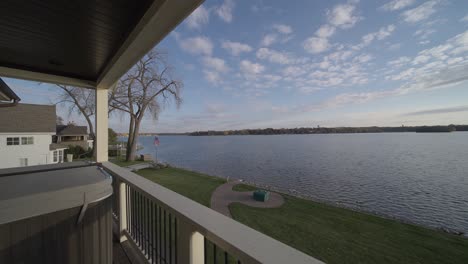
(301, 63)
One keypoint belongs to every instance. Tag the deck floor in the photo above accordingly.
(120, 257)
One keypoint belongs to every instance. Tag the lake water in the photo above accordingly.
(415, 177)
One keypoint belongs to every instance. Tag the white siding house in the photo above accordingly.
(26, 132)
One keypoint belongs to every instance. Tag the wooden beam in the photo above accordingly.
(160, 19)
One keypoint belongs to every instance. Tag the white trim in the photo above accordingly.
(27, 133)
(159, 20)
(45, 77)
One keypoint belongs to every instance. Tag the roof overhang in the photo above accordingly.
(84, 43)
(7, 96)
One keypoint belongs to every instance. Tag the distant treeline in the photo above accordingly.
(331, 130)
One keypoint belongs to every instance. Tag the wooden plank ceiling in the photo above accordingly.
(74, 39)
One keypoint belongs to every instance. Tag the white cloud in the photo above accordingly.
(196, 45)
(424, 33)
(401, 61)
(422, 12)
(215, 108)
(198, 18)
(269, 39)
(381, 34)
(455, 60)
(225, 11)
(293, 71)
(363, 58)
(274, 56)
(236, 48)
(435, 66)
(212, 76)
(395, 46)
(316, 45)
(325, 31)
(248, 67)
(397, 5)
(464, 19)
(216, 64)
(343, 16)
(283, 29)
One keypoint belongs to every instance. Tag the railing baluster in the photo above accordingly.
(205, 249)
(170, 238)
(152, 232)
(145, 225)
(214, 254)
(132, 212)
(139, 220)
(175, 239)
(165, 245)
(127, 190)
(160, 235)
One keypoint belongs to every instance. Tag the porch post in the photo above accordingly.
(101, 124)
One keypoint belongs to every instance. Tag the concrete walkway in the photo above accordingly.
(139, 166)
(224, 195)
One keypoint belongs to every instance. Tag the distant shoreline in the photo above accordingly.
(317, 130)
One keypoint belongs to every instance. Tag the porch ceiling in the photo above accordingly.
(84, 43)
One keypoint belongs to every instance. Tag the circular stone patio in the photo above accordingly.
(224, 195)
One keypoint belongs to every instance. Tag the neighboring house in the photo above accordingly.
(73, 135)
(7, 96)
(26, 132)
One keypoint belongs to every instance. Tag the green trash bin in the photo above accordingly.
(261, 195)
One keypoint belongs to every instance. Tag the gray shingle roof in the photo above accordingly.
(64, 130)
(27, 118)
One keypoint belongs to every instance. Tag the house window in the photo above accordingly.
(55, 156)
(12, 141)
(23, 162)
(60, 156)
(27, 140)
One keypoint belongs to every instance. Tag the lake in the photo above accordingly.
(414, 177)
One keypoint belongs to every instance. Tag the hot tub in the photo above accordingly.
(55, 214)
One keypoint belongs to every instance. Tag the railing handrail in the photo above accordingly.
(232, 236)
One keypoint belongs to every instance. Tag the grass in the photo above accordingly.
(337, 235)
(331, 234)
(194, 185)
(244, 188)
(123, 163)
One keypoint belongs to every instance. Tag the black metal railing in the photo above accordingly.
(216, 255)
(151, 227)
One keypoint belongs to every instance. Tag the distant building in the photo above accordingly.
(26, 132)
(73, 135)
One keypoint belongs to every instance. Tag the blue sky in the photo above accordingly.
(257, 64)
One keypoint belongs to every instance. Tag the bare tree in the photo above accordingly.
(59, 120)
(81, 101)
(144, 89)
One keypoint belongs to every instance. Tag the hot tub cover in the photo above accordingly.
(39, 191)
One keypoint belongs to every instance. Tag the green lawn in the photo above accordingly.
(332, 234)
(243, 188)
(194, 185)
(337, 235)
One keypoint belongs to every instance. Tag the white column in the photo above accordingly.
(122, 210)
(190, 245)
(101, 124)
